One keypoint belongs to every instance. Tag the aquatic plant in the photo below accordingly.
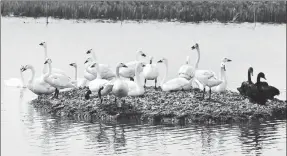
(157, 106)
(186, 11)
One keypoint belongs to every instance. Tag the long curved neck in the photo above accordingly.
(98, 72)
(222, 75)
(138, 56)
(187, 60)
(258, 79)
(198, 58)
(249, 77)
(45, 57)
(137, 76)
(33, 74)
(22, 78)
(49, 71)
(76, 73)
(165, 74)
(118, 71)
(94, 55)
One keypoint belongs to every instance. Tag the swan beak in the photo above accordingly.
(41, 44)
(228, 60)
(193, 47)
(89, 51)
(92, 66)
(71, 64)
(86, 61)
(125, 66)
(143, 65)
(45, 62)
(144, 55)
(160, 61)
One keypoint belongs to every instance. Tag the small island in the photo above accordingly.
(157, 106)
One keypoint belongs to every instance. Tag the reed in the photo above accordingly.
(184, 11)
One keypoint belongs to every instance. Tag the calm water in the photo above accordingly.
(27, 131)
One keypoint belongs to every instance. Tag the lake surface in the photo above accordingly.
(27, 131)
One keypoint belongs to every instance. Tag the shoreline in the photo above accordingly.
(181, 107)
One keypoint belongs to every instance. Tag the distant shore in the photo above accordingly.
(183, 11)
(157, 106)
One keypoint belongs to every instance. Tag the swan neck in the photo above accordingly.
(137, 76)
(76, 73)
(165, 74)
(117, 72)
(198, 58)
(98, 72)
(137, 56)
(222, 74)
(94, 55)
(258, 79)
(249, 77)
(22, 78)
(45, 57)
(49, 71)
(33, 74)
(187, 60)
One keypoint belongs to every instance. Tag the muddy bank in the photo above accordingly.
(157, 106)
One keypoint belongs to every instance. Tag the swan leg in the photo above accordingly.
(57, 91)
(100, 94)
(132, 79)
(54, 94)
(115, 100)
(209, 93)
(203, 93)
(144, 83)
(155, 81)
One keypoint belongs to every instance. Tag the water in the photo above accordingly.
(27, 131)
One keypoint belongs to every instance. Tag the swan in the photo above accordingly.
(186, 71)
(120, 87)
(88, 75)
(222, 87)
(45, 69)
(135, 88)
(105, 70)
(130, 71)
(260, 92)
(79, 82)
(245, 85)
(203, 78)
(59, 81)
(37, 85)
(99, 85)
(15, 82)
(150, 72)
(175, 84)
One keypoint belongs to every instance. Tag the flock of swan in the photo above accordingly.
(100, 78)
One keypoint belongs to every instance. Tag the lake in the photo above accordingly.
(27, 131)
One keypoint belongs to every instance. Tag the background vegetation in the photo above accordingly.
(222, 11)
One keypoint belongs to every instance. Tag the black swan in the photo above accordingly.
(260, 92)
(246, 84)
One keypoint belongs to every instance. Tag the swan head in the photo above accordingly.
(88, 60)
(226, 60)
(196, 46)
(140, 66)
(163, 60)
(141, 53)
(48, 61)
(250, 70)
(44, 44)
(122, 65)
(261, 75)
(223, 63)
(94, 65)
(89, 51)
(23, 68)
(150, 60)
(73, 64)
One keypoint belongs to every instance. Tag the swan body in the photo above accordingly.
(246, 84)
(59, 81)
(135, 88)
(88, 75)
(105, 70)
(16, 82)
(120, 87)
(186, 71)
(99, 85)
(222, 87)
(38, 85)
(45, 69)
(175, 84)
(150, 72)
(129, 72)
(79, 82)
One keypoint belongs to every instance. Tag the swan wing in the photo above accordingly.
(186, 71)
(177, 84)
(150, 71)
(106, 72)
(60, 80)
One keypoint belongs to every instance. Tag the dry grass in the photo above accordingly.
(222, 11)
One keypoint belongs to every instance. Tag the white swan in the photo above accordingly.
(130, 71)
(99, 85)
(45, 69)
(150, 72)
(222, 87)
(120, 88)
(15, 82)
(105, 70)
(38, 85)
(186, 71)
(79, 82)
(135, 87)
(88, 75)
(59, 81)
(204, 77)
(175, 84)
